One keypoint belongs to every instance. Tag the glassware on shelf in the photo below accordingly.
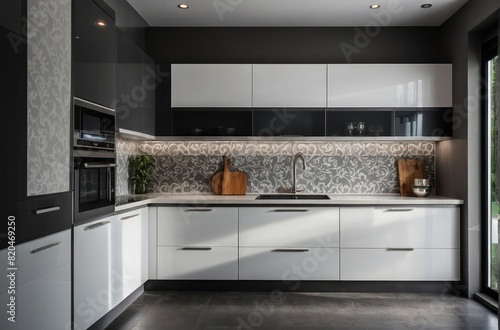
(360, 127)
(349, 127)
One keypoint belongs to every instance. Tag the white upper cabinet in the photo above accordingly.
(389, 85)
(211, 85)
(289, 85)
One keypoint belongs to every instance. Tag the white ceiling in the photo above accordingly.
(219, 13)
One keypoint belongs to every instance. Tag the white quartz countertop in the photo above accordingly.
(201, 200)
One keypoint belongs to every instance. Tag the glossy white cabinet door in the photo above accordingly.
(289, 226)
(394, 265)
(289, 264)
(42, 303)
(399, 227)
(129, 249)
(43, 285)
(211, 85)
(389, 85)
(289, 85)
(39, 257)
(92, 272)
(198, 226)
(197, 263)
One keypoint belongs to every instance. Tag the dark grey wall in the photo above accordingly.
(129, 21)
(294, 45)
(461, 157)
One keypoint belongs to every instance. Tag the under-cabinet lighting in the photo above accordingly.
(183, 6)
(374, 6)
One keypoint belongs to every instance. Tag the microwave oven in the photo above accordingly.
(94, 128)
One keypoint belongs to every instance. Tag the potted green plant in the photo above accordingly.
(141, 167)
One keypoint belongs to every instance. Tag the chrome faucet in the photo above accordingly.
(296, 157)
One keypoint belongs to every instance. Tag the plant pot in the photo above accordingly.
(141, 187)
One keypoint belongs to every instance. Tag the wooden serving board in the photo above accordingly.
(409, 170)
(227, 182)
(233, 183)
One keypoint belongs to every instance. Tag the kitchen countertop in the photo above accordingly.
(201, 200)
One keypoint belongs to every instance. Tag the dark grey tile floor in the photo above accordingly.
(156, 310)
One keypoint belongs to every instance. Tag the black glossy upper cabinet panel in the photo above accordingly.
(95, 53)
(106, 60)
(84, 37)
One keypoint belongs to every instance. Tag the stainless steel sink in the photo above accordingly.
(293, 196)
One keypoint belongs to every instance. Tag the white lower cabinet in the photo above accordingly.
(289, 243)
(92, 272)
(400, 264)
(197, 243)
(198, 263)
(129, 253)
(42, 284)
(289, 264)
(402, 243)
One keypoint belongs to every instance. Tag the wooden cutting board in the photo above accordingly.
(227, 182)
(409, 169)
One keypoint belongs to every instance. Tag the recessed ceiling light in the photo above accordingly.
(426, 5)
(183, 6)
(374, 6)
(100, 23)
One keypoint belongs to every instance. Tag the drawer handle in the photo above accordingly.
(199, 210)
(96, 225)
(290, 210)
(48, 246)
(196, 248)
(400, 249)
(290, 250)
(130, 216)
(398, 210)
(47, 210)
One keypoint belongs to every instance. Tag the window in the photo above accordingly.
(491, 276)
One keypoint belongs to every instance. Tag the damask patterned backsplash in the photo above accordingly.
(332, 167)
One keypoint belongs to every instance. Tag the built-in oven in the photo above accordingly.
(94, 160)
(94, 188)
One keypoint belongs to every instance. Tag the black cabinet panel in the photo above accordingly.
(95, 53)
(376, 122)
(424, 122)
(13, 94)
(136, 84)
(289, 122)
(212, 122)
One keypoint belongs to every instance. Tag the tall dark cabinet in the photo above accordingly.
(136, 85)
(95, 52)
(35, 194)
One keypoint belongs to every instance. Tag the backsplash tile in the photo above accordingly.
(331, 166)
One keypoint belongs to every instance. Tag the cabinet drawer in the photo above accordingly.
(198, 263)
(289, 226)
(289, 264)
(400, 265)
(399, 227)
(42, 216)
(38, 257)
(198, 226)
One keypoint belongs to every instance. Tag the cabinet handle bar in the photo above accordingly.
(130, 216)
(47, 210)
(196, 248)
(96, 225)
(290, 250)
(400, 249)
(199, 210)
(290, 210)
(398, 210)
(48, 246)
